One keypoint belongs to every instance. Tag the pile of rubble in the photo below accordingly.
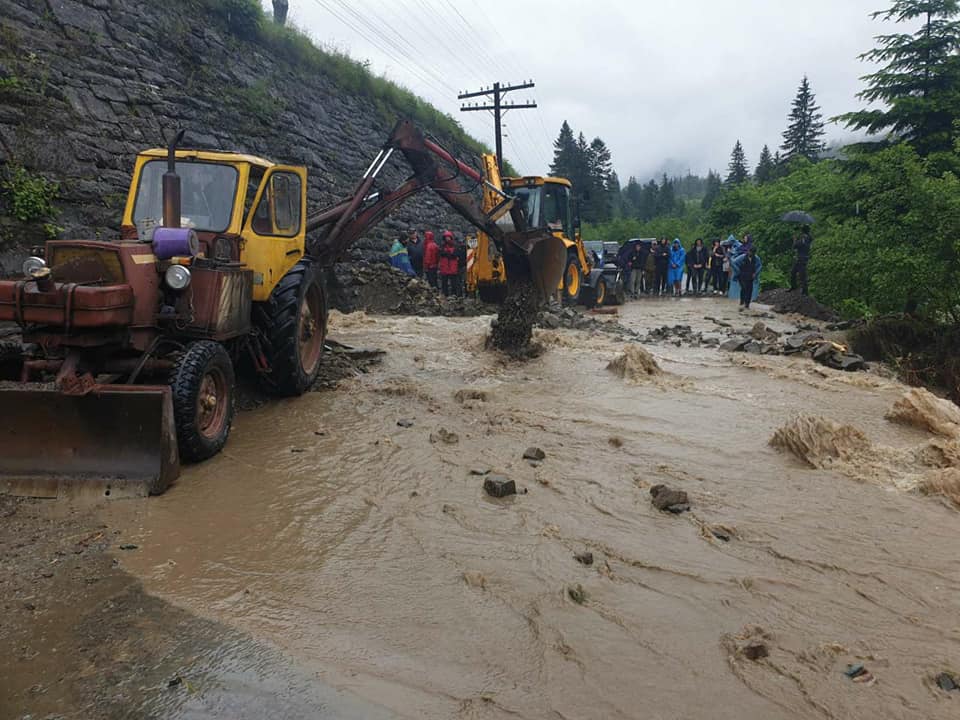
(681, 335)
(571, 318)
(784, 300)
(377, 287)
(765, 341)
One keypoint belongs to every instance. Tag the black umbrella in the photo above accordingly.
(798, 216)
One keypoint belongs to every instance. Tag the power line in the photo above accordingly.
(498, 107)
(417, 74)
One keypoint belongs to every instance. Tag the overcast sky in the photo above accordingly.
(667, 85)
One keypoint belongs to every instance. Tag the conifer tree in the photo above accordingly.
(804, 135)
(917, 84)
(737, 172)
(766, 170)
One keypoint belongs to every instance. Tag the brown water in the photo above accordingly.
(369, 555)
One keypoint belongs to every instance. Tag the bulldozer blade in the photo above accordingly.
(116, 441)
(546, 258)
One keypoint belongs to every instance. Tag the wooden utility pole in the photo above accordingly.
(498, 107)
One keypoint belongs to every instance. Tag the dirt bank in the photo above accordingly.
(365, 552)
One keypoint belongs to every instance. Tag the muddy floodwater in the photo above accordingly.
(367, 557)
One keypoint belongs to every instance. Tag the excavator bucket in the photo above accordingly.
(115, 441)
(547, 258)
(538, 255)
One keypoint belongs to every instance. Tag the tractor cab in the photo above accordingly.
(243, 209)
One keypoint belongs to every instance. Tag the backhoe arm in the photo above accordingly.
(433, 167)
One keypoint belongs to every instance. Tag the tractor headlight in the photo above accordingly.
(177, 277)
(31, 264)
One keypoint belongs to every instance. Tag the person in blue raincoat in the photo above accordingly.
(400, 259)
(678, 260)
(736, 268)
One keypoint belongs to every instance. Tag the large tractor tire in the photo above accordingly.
(572, 280)
(294, 324)
(203, 388)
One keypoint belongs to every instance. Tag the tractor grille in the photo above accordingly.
(86, 265)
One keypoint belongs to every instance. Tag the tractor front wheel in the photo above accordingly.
(572, 280)
(294, 324)
(203, 399)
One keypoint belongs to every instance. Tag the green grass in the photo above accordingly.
(246, 20)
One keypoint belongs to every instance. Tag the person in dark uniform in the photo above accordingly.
(415, 250)
(663, 267)
(748, 266)
(697, 260)
(801, 245)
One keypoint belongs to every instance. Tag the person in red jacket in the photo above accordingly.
(449, 265)
(431, 259)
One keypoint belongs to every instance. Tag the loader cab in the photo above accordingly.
(244, 209)
(548, 205)
(546, 202)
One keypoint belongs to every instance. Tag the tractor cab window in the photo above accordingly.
(279, 210)
(556, 208)
(207, 193)
(546, 206)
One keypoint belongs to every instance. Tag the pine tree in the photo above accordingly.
(615, 195)
(804, 135)
(666, 196)
(564, 153)
(714, 184)
(648, 207)
(766, 170)
(919, 78)
(632, 197)
(737, 169)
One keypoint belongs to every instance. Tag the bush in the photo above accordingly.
(29, 197)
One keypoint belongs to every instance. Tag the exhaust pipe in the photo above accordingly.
(171, 185)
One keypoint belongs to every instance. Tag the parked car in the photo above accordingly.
(606, 277)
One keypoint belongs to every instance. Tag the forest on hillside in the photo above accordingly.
(887, 236)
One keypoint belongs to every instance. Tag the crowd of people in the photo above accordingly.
(728, 267)
(444, 265)
(655, 268)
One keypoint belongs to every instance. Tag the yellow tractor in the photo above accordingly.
(129, 345)
(548, 207)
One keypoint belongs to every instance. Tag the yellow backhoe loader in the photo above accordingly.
(548, 207)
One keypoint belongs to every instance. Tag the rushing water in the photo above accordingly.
(371, 557)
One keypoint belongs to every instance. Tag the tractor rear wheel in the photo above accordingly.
(572, 280)
(203, 399)
(294, 324)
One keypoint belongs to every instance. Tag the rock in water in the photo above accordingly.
(734, 344)
(584, 558)
(668, 499)
(534, 453)
(499, 486)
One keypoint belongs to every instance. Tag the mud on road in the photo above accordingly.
(333, 546)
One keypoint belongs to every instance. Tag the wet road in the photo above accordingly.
(369, 556)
